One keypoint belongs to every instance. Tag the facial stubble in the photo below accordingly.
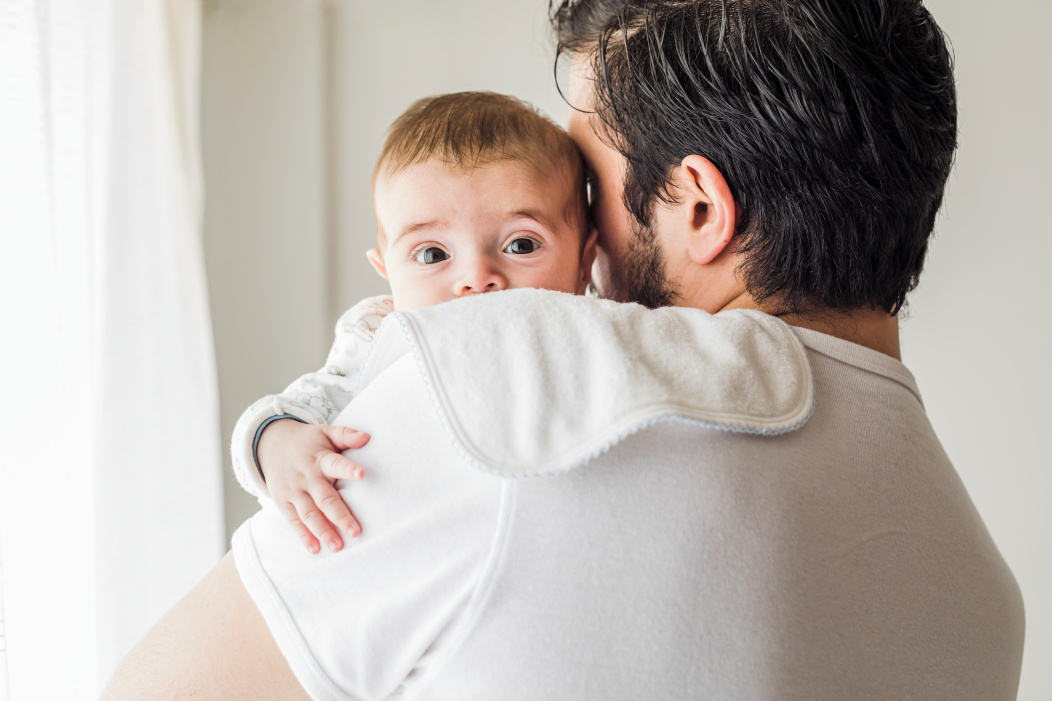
(641, 275)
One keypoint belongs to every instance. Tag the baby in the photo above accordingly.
(474, 192)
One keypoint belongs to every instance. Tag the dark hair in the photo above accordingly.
(467, 130)
(834, 123)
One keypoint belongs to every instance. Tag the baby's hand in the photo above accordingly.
(300, 463)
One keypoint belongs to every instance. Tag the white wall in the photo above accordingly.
(263, 134)
(979, 333)
(298, 94)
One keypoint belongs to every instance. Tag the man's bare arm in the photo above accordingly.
(213, 644)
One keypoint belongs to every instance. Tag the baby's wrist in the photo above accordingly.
(258, 444)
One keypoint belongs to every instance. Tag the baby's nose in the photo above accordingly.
(478, 278)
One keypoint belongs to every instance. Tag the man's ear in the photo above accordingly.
(377, 260)
(587, 259)
(708, 208)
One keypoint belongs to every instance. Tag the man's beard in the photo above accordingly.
(640, 275)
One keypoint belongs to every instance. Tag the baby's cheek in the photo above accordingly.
(565, 277)
(405, 294)
(415, 294)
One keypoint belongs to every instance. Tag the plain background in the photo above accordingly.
(297, 95)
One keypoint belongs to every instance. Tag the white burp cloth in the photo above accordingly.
(528, 383)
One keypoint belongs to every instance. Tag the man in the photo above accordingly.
(782, 157)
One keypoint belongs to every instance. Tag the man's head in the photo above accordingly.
(477, 192)
(798, 147)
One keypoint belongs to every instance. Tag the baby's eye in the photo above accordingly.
(431, 255)
(522, 246)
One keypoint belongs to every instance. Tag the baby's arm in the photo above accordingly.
(295, 481)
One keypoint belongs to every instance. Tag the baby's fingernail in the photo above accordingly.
(314, 548)
(354, 531)
(358, 472)
(334, 545)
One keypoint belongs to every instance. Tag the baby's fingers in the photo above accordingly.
(343, 438)
(306, 537)
(334, 507)
(316, 521)
(337, 467)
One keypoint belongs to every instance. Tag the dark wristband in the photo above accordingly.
(259, 432)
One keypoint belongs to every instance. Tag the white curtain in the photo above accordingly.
(110, 470)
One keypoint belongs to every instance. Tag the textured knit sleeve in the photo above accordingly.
(317, 397)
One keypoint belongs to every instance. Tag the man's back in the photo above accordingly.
(842, 559)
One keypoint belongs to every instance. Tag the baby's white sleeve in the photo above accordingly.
(317, 397)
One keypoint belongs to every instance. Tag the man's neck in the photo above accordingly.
(871, 328)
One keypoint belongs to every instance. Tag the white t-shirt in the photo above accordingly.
(736, 546)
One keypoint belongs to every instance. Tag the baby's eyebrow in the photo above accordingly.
(536, 216)
(418, 226)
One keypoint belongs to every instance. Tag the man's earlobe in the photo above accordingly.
(377, 261)
(707, 202)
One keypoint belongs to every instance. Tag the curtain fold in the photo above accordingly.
(110, 463)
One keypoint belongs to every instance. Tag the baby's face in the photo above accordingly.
(449, 234)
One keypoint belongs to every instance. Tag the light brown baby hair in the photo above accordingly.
(468, 130)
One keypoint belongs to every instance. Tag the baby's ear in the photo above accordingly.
(378, 262)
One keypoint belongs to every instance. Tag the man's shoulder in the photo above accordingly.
(533, 382)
